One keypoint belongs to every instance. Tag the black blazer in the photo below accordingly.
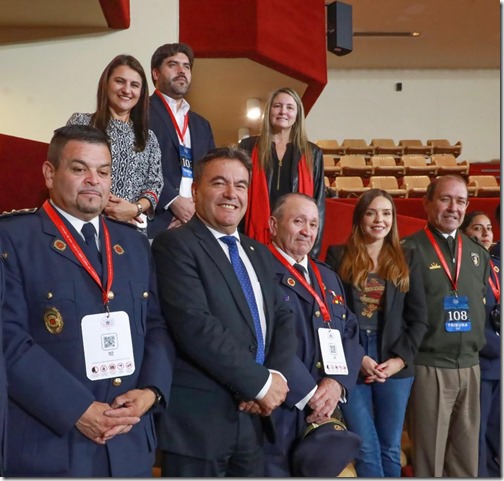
(248, 145)
(201, 142)
(207, 312)
(405, 313)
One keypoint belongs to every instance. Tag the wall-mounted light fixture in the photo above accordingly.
(243, 133)
(253, 109)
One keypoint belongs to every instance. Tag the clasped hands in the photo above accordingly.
(275, 396)
(102, 421)
(374, 372)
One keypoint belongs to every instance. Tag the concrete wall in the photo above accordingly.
(453, 104)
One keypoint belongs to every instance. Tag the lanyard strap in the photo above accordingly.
(81, 257)
(301, 279)
(458, 256)
(495, 286)
(181, 134)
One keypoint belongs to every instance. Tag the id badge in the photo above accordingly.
(108, 350)
(333, 355)
(456, 313)
(186, 161)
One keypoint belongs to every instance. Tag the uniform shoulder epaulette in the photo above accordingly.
(5, 214)
(121, 222)
(476, 241)
(322, 263)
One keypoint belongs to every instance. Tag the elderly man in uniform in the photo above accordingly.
(444, 409)
(234, 334)
(87, 350)
(328, 351)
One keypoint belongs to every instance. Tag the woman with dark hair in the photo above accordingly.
(122, 113)
(384, 288)
(478, 226)
(283, 161)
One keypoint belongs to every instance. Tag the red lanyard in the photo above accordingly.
(180, 134)
(81, 257)
(301, 279)
(495, 286)
(440, 255)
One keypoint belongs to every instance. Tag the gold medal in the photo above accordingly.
(53, 320)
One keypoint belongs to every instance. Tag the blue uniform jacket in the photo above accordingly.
(490, 354)
(48, 388)
(307, 369)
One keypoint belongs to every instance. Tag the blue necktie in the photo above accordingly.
(89, 232)
(246, 285)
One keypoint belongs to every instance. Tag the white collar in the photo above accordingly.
(184, 107)
(76, 222)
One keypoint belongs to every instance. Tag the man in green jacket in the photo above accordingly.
(444, 408)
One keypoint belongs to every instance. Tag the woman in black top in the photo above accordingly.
(283, 161)
(384, 289)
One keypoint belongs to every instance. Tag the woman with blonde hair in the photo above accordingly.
(384, 289)
(122, 113)
(283, 161)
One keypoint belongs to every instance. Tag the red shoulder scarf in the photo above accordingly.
(259, 209)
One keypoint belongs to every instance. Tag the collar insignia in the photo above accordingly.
(59, 244)
(434, 265)
(291, 282)
(118, 249)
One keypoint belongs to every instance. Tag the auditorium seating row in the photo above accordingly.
(412, 186)
(389, 147)
(408, 164)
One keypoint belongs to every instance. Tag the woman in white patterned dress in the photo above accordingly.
(122, 112)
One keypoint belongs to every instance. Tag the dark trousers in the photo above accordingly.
(489, 438)
(245, 458)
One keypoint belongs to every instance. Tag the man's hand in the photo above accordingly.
(251, 407)
(275, 396)
(120, 209)
(324, 401)
(183, 208)
(100, 427)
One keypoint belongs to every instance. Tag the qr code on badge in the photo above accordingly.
(332, 348)
(109, 341)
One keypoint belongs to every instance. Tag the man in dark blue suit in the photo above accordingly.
(184, 136)
(87, 350)
(234, 334)
(320, 377)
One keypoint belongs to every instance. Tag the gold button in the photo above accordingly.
(344, 316)
(145, 295)
(110, 295)
(318, 365)
(317, 313)
(49, 295)
(117, 382)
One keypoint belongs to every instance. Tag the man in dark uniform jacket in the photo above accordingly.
(444, 409)
(315, 391)
(87, 350)
(234, 334)
(3, 377)
(184, 136)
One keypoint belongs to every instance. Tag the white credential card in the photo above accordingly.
(333, 355)
(108, 349)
